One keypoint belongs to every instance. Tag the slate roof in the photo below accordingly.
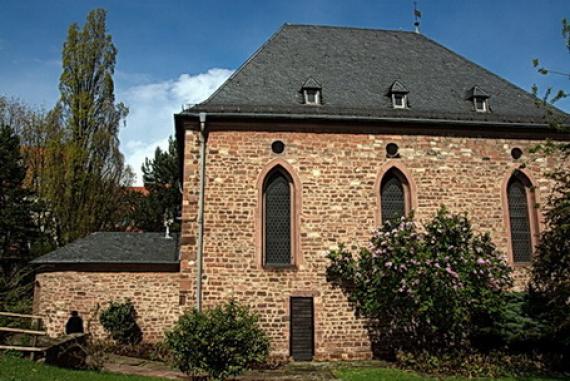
(356, 69)
(116, 247)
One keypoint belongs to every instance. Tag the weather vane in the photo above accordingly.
(417, 15)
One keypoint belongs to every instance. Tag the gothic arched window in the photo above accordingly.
(394, 196)
(278, 218)
(521, 217)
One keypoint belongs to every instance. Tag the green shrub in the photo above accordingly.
(429, 291)
(143, 350)
(550, 284)
(514, 328)
(221, 342)
(120, 321)
(474, 364)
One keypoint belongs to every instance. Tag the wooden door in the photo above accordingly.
(302, 328)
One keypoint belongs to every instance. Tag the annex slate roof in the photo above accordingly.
(116, 247)
(356, 68)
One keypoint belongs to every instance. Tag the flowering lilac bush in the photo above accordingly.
(431, 290)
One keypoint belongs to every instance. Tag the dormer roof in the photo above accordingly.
(477, 92)
(398, 88)
(311, 83)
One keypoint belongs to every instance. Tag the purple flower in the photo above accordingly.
(451, 272)
(388, 264)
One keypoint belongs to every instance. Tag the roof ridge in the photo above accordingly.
(323, 26)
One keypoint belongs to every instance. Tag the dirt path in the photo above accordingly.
(141, 367)
(291, 372)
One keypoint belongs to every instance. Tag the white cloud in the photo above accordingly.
(151, 110)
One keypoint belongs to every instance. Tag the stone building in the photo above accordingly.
(321, 134)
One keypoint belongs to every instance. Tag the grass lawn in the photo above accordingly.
(387, 374)
(15, 369)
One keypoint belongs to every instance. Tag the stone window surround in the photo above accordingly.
(534, 222)
(408, 183)
(296, 192)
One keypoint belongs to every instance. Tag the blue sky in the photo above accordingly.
(173, 52)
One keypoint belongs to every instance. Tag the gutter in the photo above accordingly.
(357, 118)
(201, 186)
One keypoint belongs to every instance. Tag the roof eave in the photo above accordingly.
(358, 118)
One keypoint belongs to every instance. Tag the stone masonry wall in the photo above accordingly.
(338, 182)
(155, 296)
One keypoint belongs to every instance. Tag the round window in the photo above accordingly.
(392, 150)
(516, 153)
(278, 146)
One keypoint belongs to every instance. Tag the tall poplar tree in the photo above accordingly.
(85, 169)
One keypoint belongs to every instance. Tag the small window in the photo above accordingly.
(392, 150)
(516, 153)
(480, 104)
(399, 100)
(312, 96)
(278, 146)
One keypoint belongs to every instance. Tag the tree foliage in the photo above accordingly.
(18, 229)
(120, 321)
(549, 287)
(423, 291)
(550, 283)
(84, 167)
(549, 98)
(163, 202)
(222, 341)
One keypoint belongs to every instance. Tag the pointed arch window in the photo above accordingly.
(522, 217)
(278, 212)
(395, 196)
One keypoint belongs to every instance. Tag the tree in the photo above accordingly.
(430, 291)
(549, 287)
(18, 229)
(548, 99)
(84, 168)
(161, 179)
(33, 131)
(550, 283)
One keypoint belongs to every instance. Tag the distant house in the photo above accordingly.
(139, 189)
(320, 136)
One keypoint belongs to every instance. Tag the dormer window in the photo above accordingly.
(480, 104)
(399, 100)
(399, 95)
(480, 99)
(311, 91)
(312, 96)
